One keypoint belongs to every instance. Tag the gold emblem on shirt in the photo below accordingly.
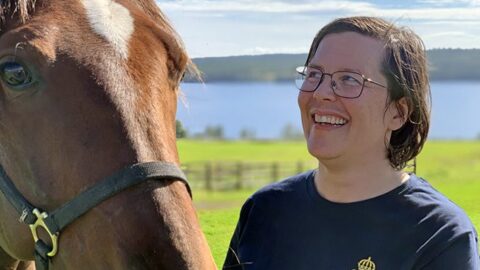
(366, 264)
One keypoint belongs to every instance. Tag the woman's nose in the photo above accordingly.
(325, 88)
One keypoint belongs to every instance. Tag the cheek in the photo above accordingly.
(303, 99)
(374, 104)
(300, 100)
(366, 115)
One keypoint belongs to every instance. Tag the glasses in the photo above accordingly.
(346, 84)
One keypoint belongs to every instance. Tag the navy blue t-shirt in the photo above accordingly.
(288, 225)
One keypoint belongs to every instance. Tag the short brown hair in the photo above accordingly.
(405, 67)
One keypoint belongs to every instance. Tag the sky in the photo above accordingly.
(250, 27)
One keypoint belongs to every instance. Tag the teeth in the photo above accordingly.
(329, 119)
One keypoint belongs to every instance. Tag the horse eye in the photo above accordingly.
(15, 75)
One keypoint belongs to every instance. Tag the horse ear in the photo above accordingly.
(178, 61)
(150, 8)
(193, 73)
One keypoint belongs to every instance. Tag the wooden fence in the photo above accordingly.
(240, 174)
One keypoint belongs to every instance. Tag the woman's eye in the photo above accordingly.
(314, 75)
(15, 75)
(350, 80)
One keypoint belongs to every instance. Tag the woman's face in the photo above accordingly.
(366, 126)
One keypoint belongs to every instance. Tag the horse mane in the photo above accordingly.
(151, 9)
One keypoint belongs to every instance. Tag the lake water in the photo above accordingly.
(266, 108)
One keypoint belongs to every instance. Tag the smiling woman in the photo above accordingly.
(88, 158)
(364, 103)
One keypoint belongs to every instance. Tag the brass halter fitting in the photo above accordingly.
(41, 223)
(82, 203)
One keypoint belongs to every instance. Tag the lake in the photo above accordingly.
(266, 108)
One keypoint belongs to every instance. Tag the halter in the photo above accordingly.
(58, 219)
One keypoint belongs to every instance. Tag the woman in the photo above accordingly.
(364, 101)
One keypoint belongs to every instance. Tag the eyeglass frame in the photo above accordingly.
(365, 79)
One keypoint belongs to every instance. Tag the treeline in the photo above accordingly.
(216, 132)
(454, 64)
(444, 64)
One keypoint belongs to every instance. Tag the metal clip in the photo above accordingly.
(23, 216)
(40, 222)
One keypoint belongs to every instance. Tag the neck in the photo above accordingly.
(357, 182)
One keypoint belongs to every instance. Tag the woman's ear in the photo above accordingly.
(398, 112)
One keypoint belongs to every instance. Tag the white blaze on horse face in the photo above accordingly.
(111, 21)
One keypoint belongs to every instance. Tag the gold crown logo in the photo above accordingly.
(366, 264)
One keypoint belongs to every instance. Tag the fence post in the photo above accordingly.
(239, 173)
(208, 176)
(274, 172)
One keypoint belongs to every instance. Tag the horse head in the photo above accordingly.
(89, 87)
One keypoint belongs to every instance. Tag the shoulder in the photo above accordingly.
(442, 225)
(441, 220)
(289, 188)
(279, 196)
(435, 205)
(274, 202)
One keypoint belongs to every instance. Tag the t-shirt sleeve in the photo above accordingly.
(232, 261)
(461, 254)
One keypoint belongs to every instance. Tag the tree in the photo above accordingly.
(181, 132)
(247, 134)
(214, 132)
(290, 132)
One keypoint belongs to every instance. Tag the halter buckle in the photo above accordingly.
(23, 216)
(40, 222)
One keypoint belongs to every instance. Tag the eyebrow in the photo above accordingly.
(315, 66)
(319, 67)
(352, 70)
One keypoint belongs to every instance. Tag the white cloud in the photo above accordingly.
(445, 14)
(271, 50)
(453, 39)
(228, 27)
(449, 34)
(451, 2)
(263, 6)
(346, 8)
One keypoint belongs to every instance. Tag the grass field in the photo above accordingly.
(453, 167)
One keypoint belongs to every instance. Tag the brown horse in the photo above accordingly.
(89, 87)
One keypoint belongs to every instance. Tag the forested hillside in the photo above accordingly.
(445, 64)
(449, 64)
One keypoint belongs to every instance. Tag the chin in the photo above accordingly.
(322, 151)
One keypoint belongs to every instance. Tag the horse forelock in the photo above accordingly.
(112, 21)
(20, 8)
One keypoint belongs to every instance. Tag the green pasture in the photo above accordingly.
(453, 167)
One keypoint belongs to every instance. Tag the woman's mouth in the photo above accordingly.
(329, 120)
